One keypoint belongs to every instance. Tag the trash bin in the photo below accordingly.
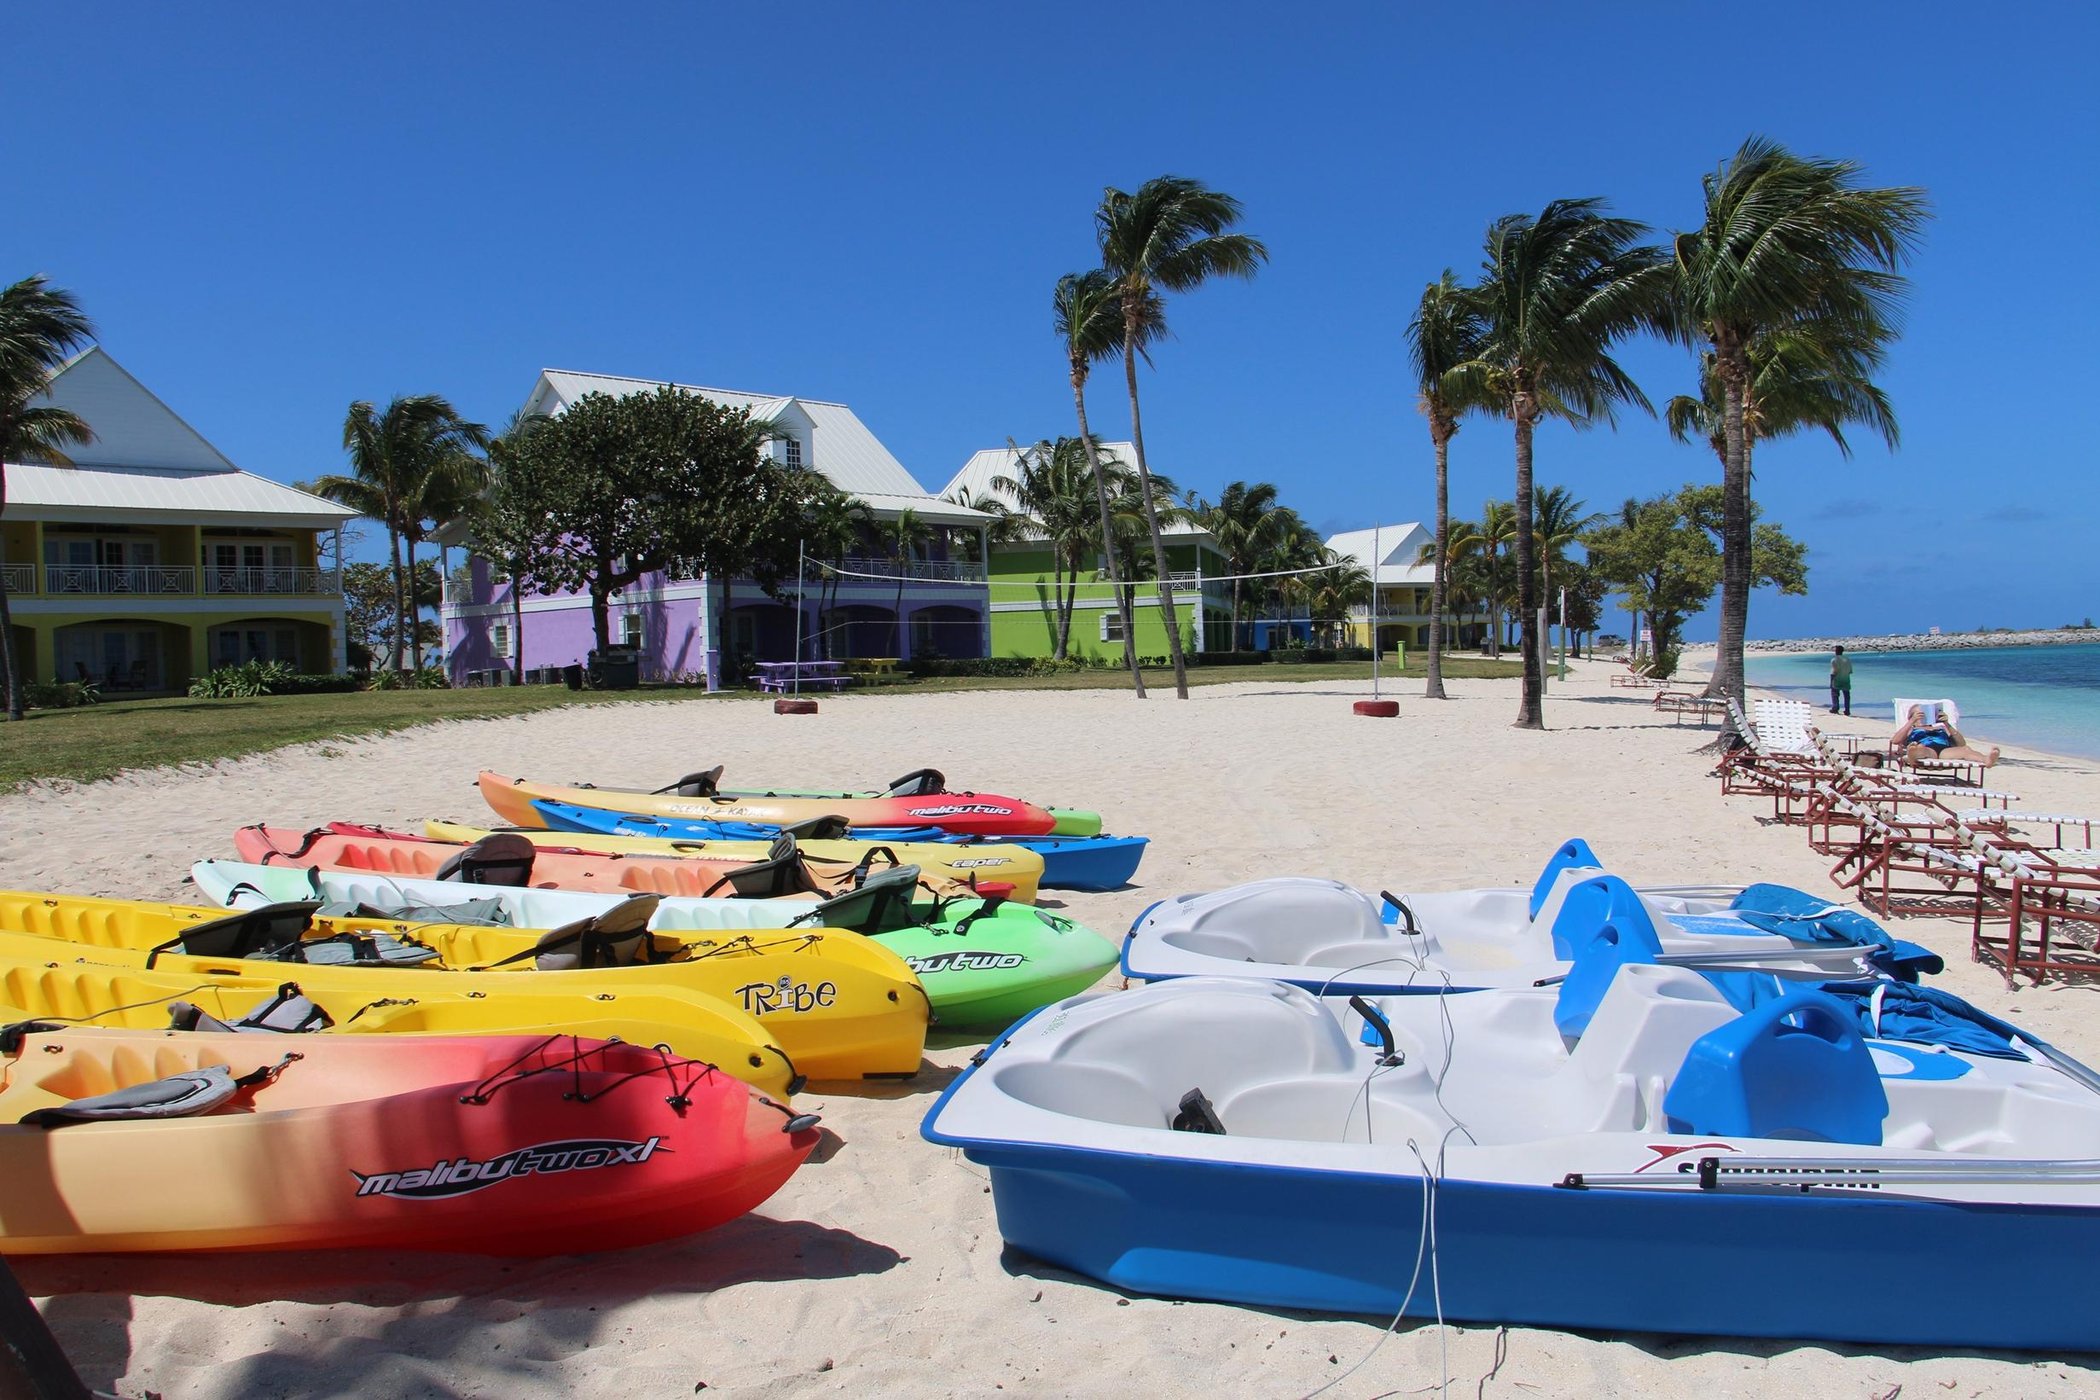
(572, 676)
(615, 668)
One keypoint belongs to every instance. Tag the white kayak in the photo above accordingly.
(1630, 1150)
(1331, 937)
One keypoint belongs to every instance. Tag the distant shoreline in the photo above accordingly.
(1923, 641)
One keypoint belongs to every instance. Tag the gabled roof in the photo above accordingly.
(842, 448)
(975, 478)
(1396, 549)
(146, 462)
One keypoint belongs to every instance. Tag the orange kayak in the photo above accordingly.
(505, 858)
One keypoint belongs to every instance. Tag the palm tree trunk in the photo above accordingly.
(1108, 552)
(393, 541)
(1530, 713)
(10, 667)
(1235, 609)
(1167, 616)
(1735, 530)
(1434, 689)
(1062, 633)
(517, 624)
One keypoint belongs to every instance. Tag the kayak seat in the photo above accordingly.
(288, 1012)
(350, 949)
(918, 783)
(1796, 1067)
(500, 858)
(249, 933)
(181, 1095)
(828, 828)
(781, 873)
(620, 937)
(703, 784)
(882, 904)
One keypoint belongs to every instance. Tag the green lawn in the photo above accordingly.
(99, 741)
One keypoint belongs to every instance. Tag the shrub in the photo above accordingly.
(422, 678)
(59, 695)
(252, 678)
(1008, 666)
(1230, 658)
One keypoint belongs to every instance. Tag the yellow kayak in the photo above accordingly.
(1015, 865)
(842, 1006)
(47, 987)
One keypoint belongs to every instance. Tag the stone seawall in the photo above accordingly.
(1921, 641)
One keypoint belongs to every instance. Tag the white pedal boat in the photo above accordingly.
(1338, 940)
(1675, 1166)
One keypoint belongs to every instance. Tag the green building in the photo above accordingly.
(1022, 584)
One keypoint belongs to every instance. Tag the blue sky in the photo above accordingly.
(273, 210)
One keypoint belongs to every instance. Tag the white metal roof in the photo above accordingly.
(1396, 547)
(976, 476)
(841, 447)
(116, 494)
(147, 464)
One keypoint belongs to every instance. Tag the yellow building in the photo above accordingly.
(152, 559)
(1396, 558)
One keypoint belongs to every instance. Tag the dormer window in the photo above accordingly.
(791, 453)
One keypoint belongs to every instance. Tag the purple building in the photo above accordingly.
(871, 603)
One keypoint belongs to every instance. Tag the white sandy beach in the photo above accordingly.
(880, 1268)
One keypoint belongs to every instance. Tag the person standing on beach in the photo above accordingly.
(1840, 681)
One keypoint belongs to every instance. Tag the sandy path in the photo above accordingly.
(881, 1268)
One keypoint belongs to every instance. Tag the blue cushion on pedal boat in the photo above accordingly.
(1796, 1067)
(1593, 968)
(1590, 906)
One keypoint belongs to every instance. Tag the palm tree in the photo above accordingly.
(1168, 236)
(1243, 522)
(1559, 520)
(1557, 290)
(903, 535)
(40, 325)
(1340, 584)
(832, 525)
(404, 463)
(1799, 381)
(1784, 241)
(1054, 492)
(1089, 309)
(1444, 334)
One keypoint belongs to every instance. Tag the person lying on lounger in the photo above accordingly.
(1918, 737)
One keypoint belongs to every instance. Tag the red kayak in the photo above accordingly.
(695, 797)
(483, 1144)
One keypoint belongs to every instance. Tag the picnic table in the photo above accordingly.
(781, 677)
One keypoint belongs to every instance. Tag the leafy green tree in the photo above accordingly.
(408, 465)
(1090, 325)
(629, 485)
(833, 524)
(1665, 555)
(1339, 585)
(40, 326)
(1167, 236)
(1784, 243)
(508, 525)
(371, 619)
(1557, 291)
(1444, 334)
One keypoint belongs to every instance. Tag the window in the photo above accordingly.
(791, 452)
(631, 629)
(1111, 626)
(499, 639)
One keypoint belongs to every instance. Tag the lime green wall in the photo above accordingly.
(1033, 631)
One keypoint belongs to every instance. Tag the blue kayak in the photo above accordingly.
(1069, 862)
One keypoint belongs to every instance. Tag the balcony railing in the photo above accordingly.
(136, 578)
(272, 580)
(959, 569)
(18, 578)
(175, 580)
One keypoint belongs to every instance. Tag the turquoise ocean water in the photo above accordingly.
(2045, 697)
